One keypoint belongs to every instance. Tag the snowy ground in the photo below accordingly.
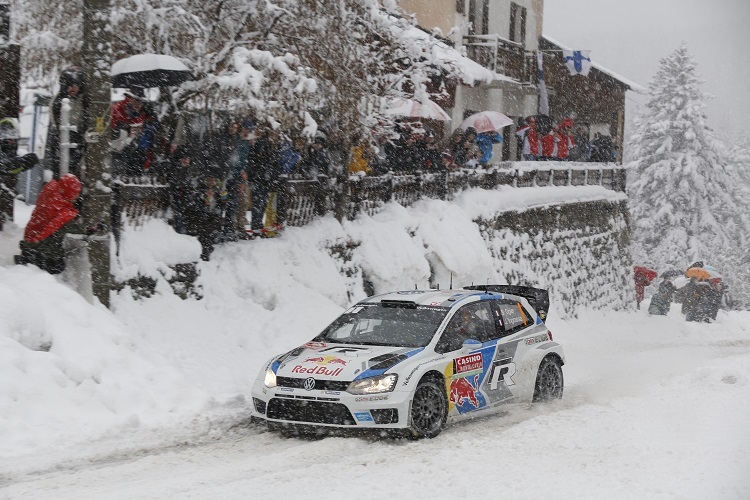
(149, 400)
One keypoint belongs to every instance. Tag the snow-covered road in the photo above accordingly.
(654, 408)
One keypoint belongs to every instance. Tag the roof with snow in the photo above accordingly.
(594, 65)
(470, 72)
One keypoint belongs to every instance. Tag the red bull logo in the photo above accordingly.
(317, 370)
(462, 390)
(325, 360)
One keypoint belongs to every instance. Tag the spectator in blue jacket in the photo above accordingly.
(485, 140)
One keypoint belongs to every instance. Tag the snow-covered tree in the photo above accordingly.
(686, 201)
(299, 64)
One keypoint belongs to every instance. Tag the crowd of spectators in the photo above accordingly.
(216, 179)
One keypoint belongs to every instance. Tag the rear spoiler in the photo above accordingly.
(537, 297)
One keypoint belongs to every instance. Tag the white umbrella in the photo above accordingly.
(149, 70)
(486, 121)
(415, 109)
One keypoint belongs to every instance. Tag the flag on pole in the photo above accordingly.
(577, 61)
(543, 98)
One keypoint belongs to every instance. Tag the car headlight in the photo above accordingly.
(373, 385)
(270, 379)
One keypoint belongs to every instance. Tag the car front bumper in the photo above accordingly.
(337, 409)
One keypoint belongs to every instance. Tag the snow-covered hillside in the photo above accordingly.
(653, 408)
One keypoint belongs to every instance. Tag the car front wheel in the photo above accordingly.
(549, 380)
(428, 410)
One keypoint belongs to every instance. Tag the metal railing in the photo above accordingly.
(500, 55)
(303, 200)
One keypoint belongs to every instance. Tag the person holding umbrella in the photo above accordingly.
(133, 135)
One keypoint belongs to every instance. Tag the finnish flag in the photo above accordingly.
(577, 61)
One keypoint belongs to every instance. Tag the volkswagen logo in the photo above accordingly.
(309, 384)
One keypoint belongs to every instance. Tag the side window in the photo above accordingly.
(473, 321)
(511, 316)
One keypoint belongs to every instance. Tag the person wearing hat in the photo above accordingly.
(446, 161)
(318, 161)
(71, 88)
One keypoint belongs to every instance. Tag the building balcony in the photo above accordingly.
(502, 56)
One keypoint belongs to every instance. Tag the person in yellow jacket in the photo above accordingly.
(360, 160)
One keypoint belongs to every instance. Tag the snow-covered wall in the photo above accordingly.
(572, 241)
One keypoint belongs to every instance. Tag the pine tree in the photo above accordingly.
(685, 200)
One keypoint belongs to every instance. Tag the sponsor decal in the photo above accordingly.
(512, 316)
(467, 364)
(408, 377)
(348, 351)
(286, 389)
(371, 398)
(505, 368)
(410, 292)
(462, 390)
(315, 346)
(537, 339)
(325, 360)
(363, 416)
(333, 393)
(317, 370)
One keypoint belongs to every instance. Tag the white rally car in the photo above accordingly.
(412, 361)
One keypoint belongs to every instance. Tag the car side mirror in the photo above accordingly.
(470, 345)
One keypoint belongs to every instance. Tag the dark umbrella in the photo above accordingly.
(149, 70)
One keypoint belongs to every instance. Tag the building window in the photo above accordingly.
(472, 17)
(461, 6)
(485, 17)
(517, 32)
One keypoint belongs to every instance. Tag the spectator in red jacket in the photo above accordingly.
(53, 217)
(134, 129)
(567, 141)
(549, 145)
(532, 145)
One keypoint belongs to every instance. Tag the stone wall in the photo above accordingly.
(577, 251)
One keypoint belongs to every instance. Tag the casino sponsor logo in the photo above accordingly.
(467, 364)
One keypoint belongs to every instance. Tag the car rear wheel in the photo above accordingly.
(549, 380)
(428, 410)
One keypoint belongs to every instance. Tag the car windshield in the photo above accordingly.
(374, 324)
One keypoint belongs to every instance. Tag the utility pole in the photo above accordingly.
(10, 90)
(97, 59)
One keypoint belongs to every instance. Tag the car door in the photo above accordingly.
(466, 372)
(511, 319)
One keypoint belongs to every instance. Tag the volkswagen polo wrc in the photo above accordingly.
(413, 361)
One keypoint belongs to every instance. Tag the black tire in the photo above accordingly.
(429, 410)
(549, 380)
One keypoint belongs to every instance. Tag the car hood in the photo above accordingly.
(326, 361)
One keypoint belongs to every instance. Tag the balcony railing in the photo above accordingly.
(500, 55)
